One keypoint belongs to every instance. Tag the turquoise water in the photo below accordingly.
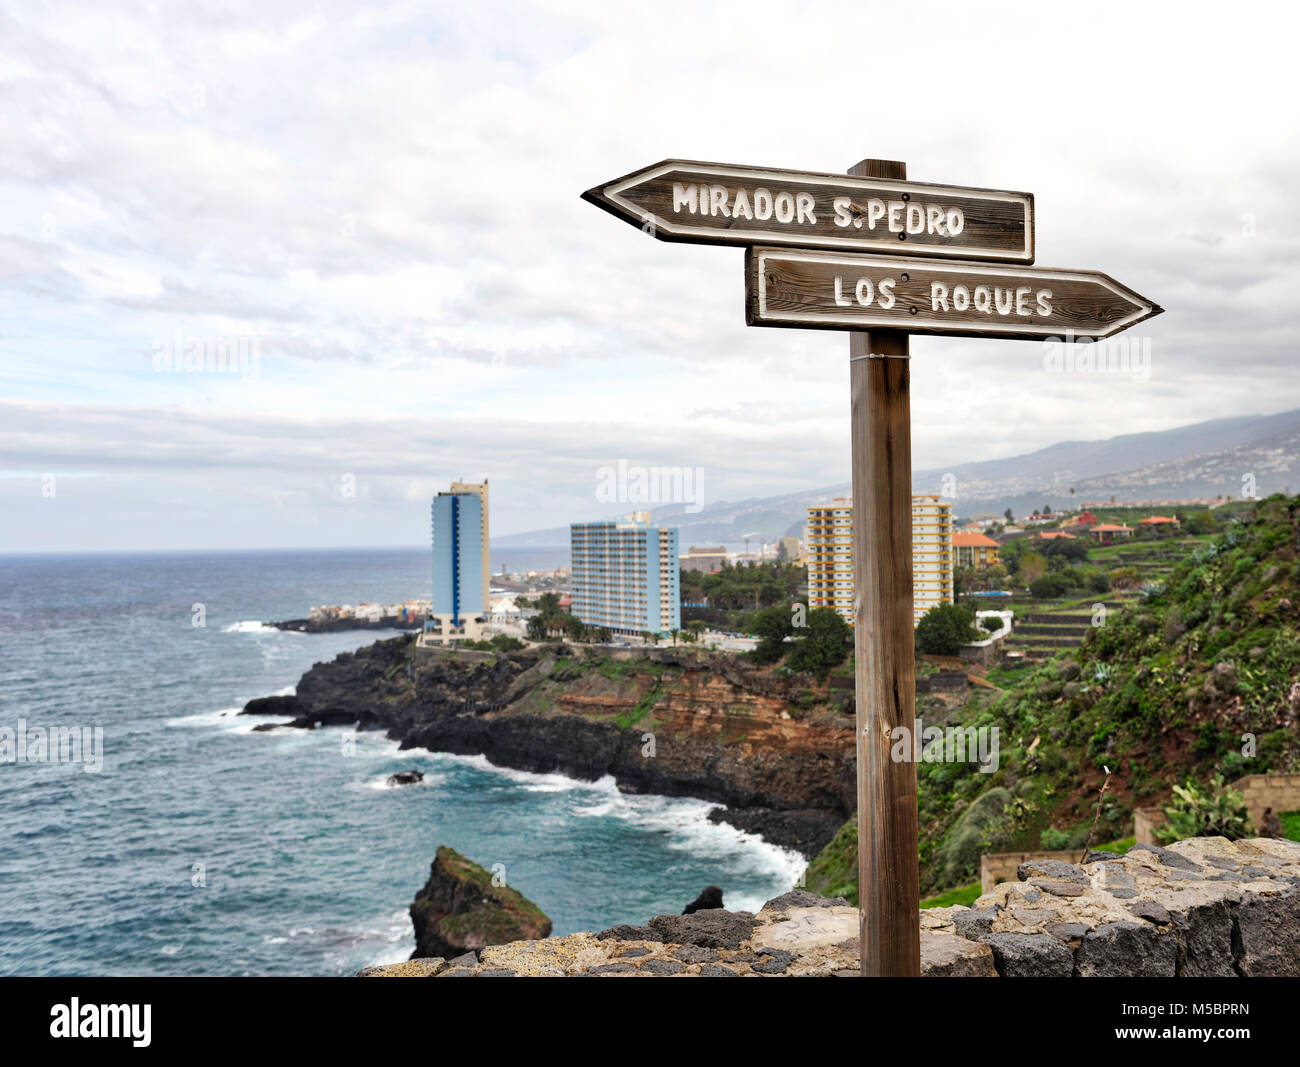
(203, 848)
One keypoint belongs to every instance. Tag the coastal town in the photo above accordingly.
(630, 582)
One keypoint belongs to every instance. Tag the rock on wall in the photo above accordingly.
(996, 867)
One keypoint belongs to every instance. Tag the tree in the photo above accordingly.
(771, 626)
(1071, 548)
(1032, 567)
(944, 629)
(1008, 516)
(823, 645)
(1047, 509)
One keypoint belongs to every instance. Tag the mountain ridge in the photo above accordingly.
(1198, 460)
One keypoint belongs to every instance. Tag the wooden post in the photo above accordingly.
(888, 872)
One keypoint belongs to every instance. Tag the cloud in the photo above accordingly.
(387, 197)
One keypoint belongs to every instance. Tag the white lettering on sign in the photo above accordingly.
(989, 300)
(797, 208)
(900, 216)
(865, 292)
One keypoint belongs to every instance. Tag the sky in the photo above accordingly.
(378, 204)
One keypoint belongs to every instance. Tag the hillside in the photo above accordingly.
(1174, 686)
(1205, 459)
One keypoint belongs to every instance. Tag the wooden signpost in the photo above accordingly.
(711, 203)
(805, 235)
(840, 291)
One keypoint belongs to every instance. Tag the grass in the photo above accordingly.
(965, 895)
(1004, 678)
(1290, 825)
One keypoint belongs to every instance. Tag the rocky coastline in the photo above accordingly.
(769, 746)
(1203, 907)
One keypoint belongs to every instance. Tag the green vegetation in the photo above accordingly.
(965, 896)
(1290, 825)
(1218, 811)
(497, 643)
(822, 645)
(819, 646)
(1194, 680)
(833, 872)
(553, 621)
(746, 586)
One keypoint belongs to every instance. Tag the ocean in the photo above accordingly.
(203, 848)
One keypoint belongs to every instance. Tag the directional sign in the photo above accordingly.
(713, 203)
(838, 291)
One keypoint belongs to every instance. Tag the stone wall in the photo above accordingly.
(1281, 792)
(942, 681)
(1202, 907)
(1145, 822)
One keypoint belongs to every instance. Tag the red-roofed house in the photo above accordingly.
(1159, 522)
(1084, 518)
(1052, 535)
(973, 549)
(1108, 531)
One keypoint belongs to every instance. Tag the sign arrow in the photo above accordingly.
(716, 203)
(838, 291)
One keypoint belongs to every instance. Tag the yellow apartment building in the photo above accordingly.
(829, 541)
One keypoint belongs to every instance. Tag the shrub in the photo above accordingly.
(976, 830)
(1048, 586)
(1054, 840)
(944, 629)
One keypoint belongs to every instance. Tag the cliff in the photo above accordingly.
(768, 744)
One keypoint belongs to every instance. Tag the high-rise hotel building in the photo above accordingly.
(625, 575)
(460, 563)
(829, 544)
